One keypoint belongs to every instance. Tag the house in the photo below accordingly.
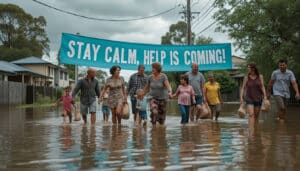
(57, 76)
(16, 73)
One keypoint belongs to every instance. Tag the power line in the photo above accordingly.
(203, 30)
(103, 19)
(205, 13)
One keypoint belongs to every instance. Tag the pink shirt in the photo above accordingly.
(185, 94)
(67, 102)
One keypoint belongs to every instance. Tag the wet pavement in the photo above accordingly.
(36, 139)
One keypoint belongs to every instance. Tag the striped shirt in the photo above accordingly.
(136, 81)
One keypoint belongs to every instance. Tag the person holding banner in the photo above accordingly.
(136, 81)
(197, 81)
(117, 94)
(89, 90)
(160, 90)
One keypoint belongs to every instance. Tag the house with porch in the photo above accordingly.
(58, 76)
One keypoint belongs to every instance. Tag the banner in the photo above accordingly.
(86, 51)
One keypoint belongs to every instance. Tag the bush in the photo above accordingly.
(40, 99)
(226, 82)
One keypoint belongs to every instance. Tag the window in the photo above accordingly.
(66, 76)
(61, 75)
(49, 70)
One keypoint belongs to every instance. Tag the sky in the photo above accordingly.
(141, 31)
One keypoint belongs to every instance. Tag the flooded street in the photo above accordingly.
(36, 139)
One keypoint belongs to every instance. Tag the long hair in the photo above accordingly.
(253, 66)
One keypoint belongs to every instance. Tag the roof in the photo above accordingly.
(31, 60)
(15, 69)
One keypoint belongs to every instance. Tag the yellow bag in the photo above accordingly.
(125, 111)
(242, 110)
(265, 105)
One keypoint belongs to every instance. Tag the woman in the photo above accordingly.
(117, 94)
(253, 86)
(213, 95)
(160, 91)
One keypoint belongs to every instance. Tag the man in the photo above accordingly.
(213, 96)
(197, 81)
(136, 81)
(280, 81)
(89, 89)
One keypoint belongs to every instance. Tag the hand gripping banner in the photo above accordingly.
(93, 52)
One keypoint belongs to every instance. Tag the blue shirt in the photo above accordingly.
(142, 104)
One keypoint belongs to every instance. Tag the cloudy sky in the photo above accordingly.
(141, 31)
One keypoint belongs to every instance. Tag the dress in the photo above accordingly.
(115, 96)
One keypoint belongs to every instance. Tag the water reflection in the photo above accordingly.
(35, 139)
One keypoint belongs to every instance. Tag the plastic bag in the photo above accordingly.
(205, 113)
(125, 111)
(242, 110)
(265, 105)
(77, 115)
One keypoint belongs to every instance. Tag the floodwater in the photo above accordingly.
(36, 139)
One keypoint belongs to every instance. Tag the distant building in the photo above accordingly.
(16, 73)
(57, 76)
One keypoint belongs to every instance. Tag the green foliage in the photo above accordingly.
(101, 75)
(177, 34)
(264, 30)
(226, 82)
(71, 70)
(21, 35)
(40, 99)
(201, 40)
(59, 92)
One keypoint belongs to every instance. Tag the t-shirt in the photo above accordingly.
(212, 93)
(142, 104)
(282, 80)
(67, 102)
(196, 80)
(185, 94)
(157, 87)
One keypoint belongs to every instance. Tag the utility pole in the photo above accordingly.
(76, 68)
(188, 15)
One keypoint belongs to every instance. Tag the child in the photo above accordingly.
(67, 102)
(141, 106)
(185, 94)
(105, 107)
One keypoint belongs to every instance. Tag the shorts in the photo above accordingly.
(143, 115)
(105, 110)
(88, 108)
(255, 104)
(281, 102)
(216, 107)
(198, 99)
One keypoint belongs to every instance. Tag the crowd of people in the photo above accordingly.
(155, 90)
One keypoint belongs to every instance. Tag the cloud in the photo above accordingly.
(142, 31)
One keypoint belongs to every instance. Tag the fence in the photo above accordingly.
(18, 93)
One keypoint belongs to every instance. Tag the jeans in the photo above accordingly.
(185, 109)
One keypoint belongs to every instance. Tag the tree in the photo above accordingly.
(177, 36)
(264, 30)
(226, 82)
(21, 34)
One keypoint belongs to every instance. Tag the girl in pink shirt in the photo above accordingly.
(186, 97)
(67, 102)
